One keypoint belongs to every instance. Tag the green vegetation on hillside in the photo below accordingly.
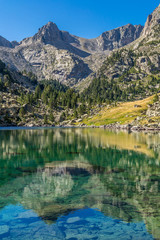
(126, 75)
(50, 102)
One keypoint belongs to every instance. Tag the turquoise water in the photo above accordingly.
(79, 184)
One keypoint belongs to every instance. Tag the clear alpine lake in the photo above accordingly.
(78, 184)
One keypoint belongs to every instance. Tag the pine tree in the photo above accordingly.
(45, 119)
(156, 98)
(51, 117)
(22, 112)
(51, 103)
(38, 92)
(75, 113)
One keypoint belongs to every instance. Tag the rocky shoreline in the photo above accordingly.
(127, 127)
(130, 127)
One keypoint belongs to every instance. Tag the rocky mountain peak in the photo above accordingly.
(152, 23)
(48, 34)
(50, 26)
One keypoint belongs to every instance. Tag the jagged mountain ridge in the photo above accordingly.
(109, 40)
(112, 39)
(55, 54)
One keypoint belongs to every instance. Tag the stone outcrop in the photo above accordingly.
(153, 110)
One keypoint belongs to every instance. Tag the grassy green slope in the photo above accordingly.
(123, 113)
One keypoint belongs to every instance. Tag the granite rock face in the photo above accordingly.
(113, 39)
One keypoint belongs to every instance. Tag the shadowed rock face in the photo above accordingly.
(152, 21)
(5, 43)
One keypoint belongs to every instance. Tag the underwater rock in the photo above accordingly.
(74, 219)
(28, 214)
(4, 229)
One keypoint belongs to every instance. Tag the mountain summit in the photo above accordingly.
(48, 34)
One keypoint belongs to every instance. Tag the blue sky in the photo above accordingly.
(84, 18)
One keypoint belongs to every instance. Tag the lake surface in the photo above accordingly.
(79, 184)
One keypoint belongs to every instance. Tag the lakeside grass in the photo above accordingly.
(123, 113)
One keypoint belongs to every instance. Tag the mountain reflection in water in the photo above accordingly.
(79, 184)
